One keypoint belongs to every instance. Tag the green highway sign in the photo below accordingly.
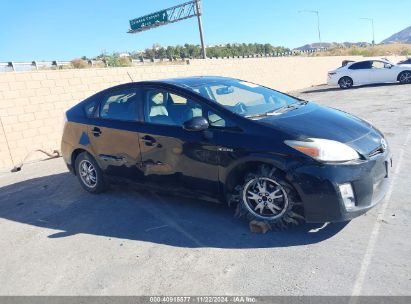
(149, 20)
(173, 14)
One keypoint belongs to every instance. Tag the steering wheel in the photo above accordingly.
(240, 108)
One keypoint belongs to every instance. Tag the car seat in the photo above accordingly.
(158, 112)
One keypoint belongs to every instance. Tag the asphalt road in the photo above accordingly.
(55, 239)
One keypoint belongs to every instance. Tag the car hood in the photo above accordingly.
(315, 121)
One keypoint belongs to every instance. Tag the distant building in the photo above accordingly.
(122, 55)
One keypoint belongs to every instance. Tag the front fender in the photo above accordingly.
(229, 169)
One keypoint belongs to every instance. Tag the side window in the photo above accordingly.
(176, 99)
(378, 65)
(120, 105)
(166, 108)
(89, 108)
(361, 65)
(215, 120)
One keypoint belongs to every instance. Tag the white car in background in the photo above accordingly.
(369, 72)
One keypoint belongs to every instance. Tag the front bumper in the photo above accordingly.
(317, 184)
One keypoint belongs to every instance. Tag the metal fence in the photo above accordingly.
(14, 66)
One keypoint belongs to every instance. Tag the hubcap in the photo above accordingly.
(88, 173)
(265, 198)
(405, 78)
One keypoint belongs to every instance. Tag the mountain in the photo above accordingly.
(403, 36)
(317, 45)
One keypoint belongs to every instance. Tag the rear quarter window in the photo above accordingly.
(89, 108)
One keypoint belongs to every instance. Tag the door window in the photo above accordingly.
(120, 105)
(361, 65)
(162, 107)
(378, 65)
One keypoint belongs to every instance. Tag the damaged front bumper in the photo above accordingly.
(319, 187)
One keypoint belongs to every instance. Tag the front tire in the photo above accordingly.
(89, 173)
(265, 196)
(404, 77)
(345, 82)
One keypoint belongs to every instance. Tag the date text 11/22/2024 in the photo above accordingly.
(202, 299)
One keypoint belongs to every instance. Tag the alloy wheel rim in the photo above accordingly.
(265, 198)
(88, 173)
(346, 83)
(406, 77)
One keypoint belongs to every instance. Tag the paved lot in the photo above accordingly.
(57, 239)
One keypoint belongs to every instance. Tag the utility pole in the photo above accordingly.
(200, 28)
(372, 28)
(318, 22)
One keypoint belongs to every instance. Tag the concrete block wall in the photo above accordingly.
(32, 104)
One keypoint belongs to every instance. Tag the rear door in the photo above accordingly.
(113, 134)
(360, 72)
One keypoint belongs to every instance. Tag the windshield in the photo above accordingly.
(245, 98)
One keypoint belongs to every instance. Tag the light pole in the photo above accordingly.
(318, 22)
(372, 28)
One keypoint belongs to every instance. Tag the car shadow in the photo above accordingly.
(333, 89)
(57, 202)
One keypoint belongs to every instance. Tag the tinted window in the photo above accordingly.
(361, 65)
(163, 107)
(89, 108)
(216, 120)
(120, 105)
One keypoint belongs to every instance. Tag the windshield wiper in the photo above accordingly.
(280, 110)
(289, 107)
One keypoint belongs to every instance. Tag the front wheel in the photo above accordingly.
(89, 173)
(345, 82)
(404, 77)
(265, 196)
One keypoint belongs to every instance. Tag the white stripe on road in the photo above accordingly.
(359, 282)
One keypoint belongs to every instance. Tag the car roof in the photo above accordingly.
(372, 59)
(193, 80)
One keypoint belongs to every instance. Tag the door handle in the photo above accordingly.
(96, 131)
(148, 140)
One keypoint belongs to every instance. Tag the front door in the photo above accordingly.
(171, 156)
(382, 72)
(113, 134)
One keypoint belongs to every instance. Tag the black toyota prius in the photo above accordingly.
(275, 158)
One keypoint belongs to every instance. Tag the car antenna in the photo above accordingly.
(130, 76)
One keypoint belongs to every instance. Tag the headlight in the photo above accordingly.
(324, 149)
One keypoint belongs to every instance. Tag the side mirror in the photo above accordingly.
(196, 124)
(388, 66)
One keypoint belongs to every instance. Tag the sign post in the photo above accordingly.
(200, 28)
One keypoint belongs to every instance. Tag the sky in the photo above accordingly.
(63, 30)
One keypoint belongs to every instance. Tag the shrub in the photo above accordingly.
(124, 61)
(79, 64)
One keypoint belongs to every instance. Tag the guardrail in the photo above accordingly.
(16, 66)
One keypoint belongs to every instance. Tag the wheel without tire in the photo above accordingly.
(89, 173)
(405, 77)
(345, 82)
(265, 196)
